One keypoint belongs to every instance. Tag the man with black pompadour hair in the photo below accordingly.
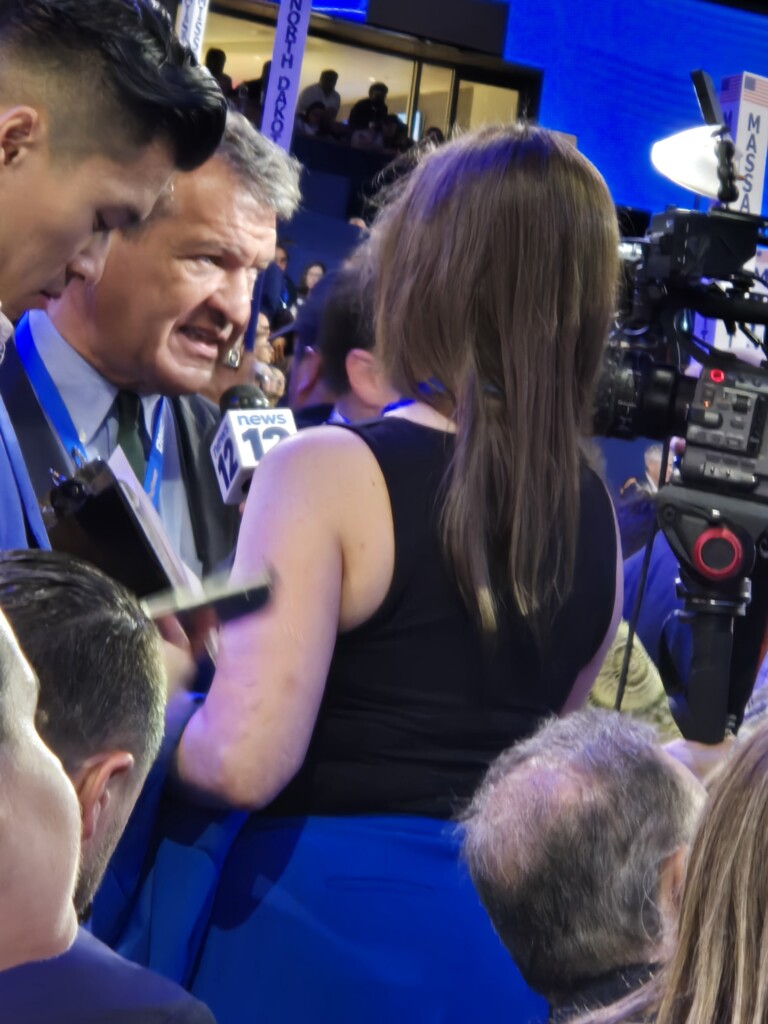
(99, 104)
(100, 709)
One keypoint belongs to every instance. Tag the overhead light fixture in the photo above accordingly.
(701, 159)
(690, 159)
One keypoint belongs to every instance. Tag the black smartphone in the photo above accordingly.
(229, 601)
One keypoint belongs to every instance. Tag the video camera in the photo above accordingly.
(714, 511)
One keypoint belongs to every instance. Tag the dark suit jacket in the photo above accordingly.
(603, 991)
(92, 985)
(214, 524)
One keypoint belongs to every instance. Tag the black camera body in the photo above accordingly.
(690, 263)
(685, 246)
(714, 511)
(726, 441)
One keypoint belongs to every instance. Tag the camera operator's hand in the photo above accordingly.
(271, 380)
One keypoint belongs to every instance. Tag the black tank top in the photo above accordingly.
(416, 704)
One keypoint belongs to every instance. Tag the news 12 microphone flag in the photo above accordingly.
(287, 59)
(242, 440)
(190, 24)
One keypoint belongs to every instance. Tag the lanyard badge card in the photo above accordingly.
(95, 516)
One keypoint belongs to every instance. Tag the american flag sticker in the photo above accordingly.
(753, 88)
(756, 90)
(730, 89)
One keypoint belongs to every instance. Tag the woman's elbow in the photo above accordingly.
(226, 776)
(244, 789)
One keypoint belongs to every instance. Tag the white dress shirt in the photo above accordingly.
(314, 94)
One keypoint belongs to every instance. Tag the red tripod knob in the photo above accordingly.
(718, 553)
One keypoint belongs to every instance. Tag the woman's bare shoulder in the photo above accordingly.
(326, 451)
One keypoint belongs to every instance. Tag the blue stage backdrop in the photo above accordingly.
(350, 10)
(616, 76)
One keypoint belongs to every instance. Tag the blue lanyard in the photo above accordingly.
(58, 414)
(337, 417)
(401, 404)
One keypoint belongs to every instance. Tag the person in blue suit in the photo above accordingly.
(20, 519)
(72, 171)
(101, 710)
(92, 985)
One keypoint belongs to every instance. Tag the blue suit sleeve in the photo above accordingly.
(18, 504)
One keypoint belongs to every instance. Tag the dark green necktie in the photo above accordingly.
(129, 433)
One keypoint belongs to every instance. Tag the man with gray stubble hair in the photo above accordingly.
(270, 174)
(576, 842)
(173, 302)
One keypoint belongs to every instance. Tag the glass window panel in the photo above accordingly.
(249, 44)
(485, 104)
(435, 97)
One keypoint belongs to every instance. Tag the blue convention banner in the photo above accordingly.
(287, 57)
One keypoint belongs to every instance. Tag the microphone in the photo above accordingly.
(249, 428)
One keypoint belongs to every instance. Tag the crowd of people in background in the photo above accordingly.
(379, 798)
(369, 125)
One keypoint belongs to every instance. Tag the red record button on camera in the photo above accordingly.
(718, 553)
(717, 376)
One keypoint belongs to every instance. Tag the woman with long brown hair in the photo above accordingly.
(446, 579)
(718, 973)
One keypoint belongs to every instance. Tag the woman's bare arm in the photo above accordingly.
(311, 502)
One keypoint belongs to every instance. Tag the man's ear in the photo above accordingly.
(93, 784)
(363, 374)
(671, 880)
(20, 128)
(307, 369)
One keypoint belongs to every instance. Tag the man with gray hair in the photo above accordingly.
(119, 362)
(576, 842)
